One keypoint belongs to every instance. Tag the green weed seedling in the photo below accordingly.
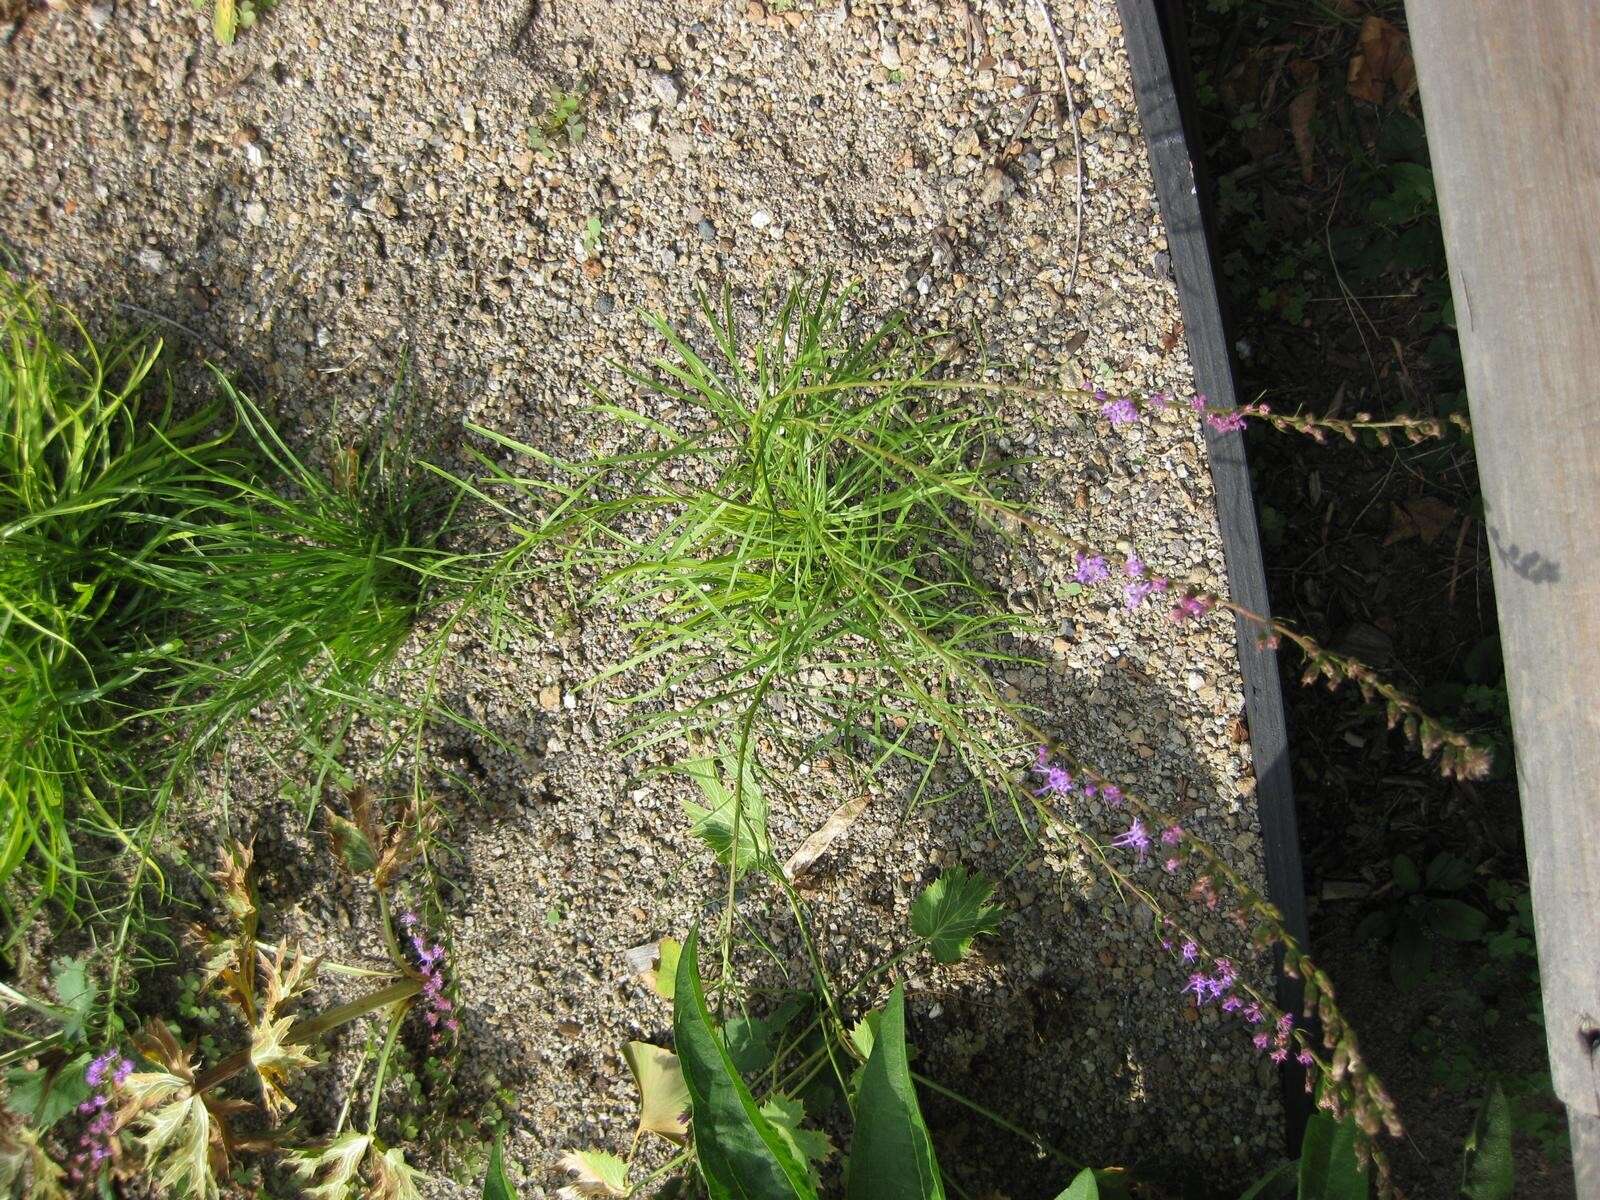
(228, 17)
(558, 126)
(1425, 907)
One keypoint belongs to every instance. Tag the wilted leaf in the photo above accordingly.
(953, 910)
(741, 1155)
(594, 1173)
(663, 1096)
(393, 1178)
(335, 1166)
(891, 1154)
(351, 845)
(276, 1059)
(815, 846)
(812, 1145)
(176, 1145)
(1487, 1169)
(1384, 59)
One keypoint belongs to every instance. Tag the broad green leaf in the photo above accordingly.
(714, 820)
(953, 910)
(1406, 876)
(1448, 873)
(495, 1184)
(891, 1154)
(663, 1096)
(812, 1145)
(741, 1155)
(224, 20)
(1487, 1170)
(1456, 920)
(76, 992)
(595, 1173)
(1084, 1187)
(1375, 925)
(43, 1097)
(865, 1032)
(1410, 954)
(1328, 1166)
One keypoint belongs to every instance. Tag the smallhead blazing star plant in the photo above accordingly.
(821, 507)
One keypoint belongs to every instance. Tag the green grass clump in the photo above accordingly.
(82, 454)
(818, 516)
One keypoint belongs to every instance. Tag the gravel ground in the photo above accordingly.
(351, 186)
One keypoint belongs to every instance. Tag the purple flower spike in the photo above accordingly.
(1189, 608)
(1190, 952)
(1226, 422)
(1198, 402)
(1121, 411)
(1091, 568)
(1137, 839)
(1111, 794)
(1057, 782)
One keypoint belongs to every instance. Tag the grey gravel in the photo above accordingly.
(350, 186)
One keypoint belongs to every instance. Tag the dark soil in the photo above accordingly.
(1331, 260)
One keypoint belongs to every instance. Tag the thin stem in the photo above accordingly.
(395, 1018)
(995, 1118)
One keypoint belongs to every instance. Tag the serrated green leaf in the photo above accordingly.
(1329, 1169)
(741, 1155)
(1406, 876)
(224, 20)
(1487, 1169)
(76, 992)
(663, 1096)
(495, 1184)
(1456, 920)
(713, 821)
(891, 1154)
(953, 910)
(812, 1145)
(1083, 1187)
(43, 1097)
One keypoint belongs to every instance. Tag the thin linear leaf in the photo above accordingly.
(1487, 1169)
(891, 1155)
(741, 1155)
(953, 910)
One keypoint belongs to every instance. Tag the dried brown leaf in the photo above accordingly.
(815, 846)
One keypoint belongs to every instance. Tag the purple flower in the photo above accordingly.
(1057, 782)
(1091, 568)
(1253, 1013)
(1227, 973)
(438, 1008)
(1121, 411)
(1262, 1041)
(1226, 422)
(1199, 985)
(1134, 594)
(1190, 952)
(1231, 1003)
(1133, 567)
(94, 1146)
(1111, 794)
(1137, 838)
(1189, 608)
(1280, 1055)
(1171, 865)
(1198, 402)
(1160, 400)
(1285, 1023)
(1305, 1058)
(1172, 835)
(1042, 759)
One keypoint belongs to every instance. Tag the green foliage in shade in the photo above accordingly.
(1281, 1181)
(952, 910)
(76, 992)
(891, 1154)
(1488, 1171)
(1423, 910)
(1329, 1169)
(814, 510)
(495, 1184)
(1083, 1187)
(742, 1156)
(44, 1094)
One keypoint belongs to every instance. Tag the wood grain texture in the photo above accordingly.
(1511, 96)
(1153, 35)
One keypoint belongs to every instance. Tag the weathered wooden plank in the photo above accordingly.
(1153, 32)
(1511, 94)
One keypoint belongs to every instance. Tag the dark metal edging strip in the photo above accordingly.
(1153, 32)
